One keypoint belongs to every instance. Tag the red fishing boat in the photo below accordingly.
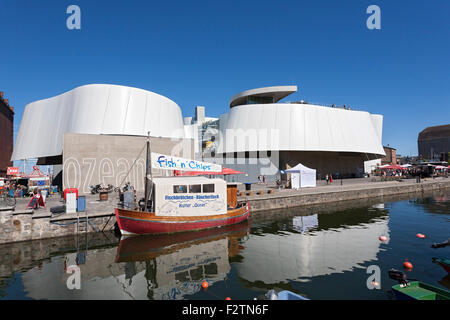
(141, 222)
(177, 204)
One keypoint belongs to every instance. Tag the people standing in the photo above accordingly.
(331, 178)
(326, 177)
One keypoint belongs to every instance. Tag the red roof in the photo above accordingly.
(225, 171)
(394, 167)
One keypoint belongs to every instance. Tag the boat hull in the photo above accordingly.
(420, 291)
(132, 222)
(444, 263)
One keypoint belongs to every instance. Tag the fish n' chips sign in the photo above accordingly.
(161, 161)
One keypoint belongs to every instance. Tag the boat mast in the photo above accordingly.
(148, 172)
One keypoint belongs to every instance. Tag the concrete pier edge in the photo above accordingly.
(263, 203)
(17, 226)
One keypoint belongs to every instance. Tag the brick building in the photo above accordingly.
(6, 134)
(434, 143)
(391, 156)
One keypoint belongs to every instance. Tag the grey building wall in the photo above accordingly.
(345, 164)
(252, 165)
(269, 164)
(108, 159)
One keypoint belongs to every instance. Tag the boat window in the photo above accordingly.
(207, 188)
(195, 188)
(180, 189)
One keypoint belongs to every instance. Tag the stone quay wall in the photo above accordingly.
(272, 202)
(17, 226)
(26, 226)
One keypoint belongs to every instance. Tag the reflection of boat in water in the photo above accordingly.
(151, 246)
(177, 264)
(444, 263)
(179, 204)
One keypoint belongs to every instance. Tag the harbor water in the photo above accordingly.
(320, 252)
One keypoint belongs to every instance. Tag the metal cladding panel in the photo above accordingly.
(377, 121)
(95, 109)
(303, 127)
(116, 111)
(135, 120)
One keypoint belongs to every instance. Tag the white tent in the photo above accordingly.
(302, 176)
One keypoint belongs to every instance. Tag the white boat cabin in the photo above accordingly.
(189, 196)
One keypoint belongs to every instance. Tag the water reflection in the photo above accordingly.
(176, 265)
(304, 250)
(305, 223)
(437, 204)
(314, 245)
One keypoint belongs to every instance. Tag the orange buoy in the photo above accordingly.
(227, 298)
(205, 284)
(420, 235)
(407, 264)
(383, 238)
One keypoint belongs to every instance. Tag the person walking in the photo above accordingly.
(331, 178)
(326, 177)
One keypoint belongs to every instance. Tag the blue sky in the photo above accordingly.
(204, 52)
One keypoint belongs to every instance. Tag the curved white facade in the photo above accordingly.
(95, 109)
(275, 93)
(300, 127)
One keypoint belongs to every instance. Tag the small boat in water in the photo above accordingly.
(444, 263)
(179, 204)
(283, 295)
(415, 290)
(441, 244)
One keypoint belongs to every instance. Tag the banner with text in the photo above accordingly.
(161, 161)
(12, 171)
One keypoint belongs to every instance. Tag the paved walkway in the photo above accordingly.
(335, 186)
(96, 208)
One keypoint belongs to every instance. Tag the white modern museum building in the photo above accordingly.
(259, 135)
(331, 140)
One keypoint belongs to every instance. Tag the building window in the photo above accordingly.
(235, 155)
(259, 100)
(208, 188)
(195, 188)
(247, 154)
(180, 189)
(269, 154)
